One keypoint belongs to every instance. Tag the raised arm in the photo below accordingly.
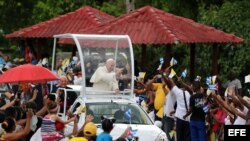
(64, 121)
(12, 103)
(222, 102)
(237, 112)
(184, 85)
(169, 82)
(142, 84)
(244, 102)
(22, 133)
(150, 82)
(142, 90)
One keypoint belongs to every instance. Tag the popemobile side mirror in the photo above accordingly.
(158, 124)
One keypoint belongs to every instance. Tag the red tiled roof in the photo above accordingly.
(149, 25)
(72, 22)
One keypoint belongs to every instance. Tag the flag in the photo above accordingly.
(160, 66)
(161, 63)
(128, 115)
(198, 78)
(209, 80)
(172, 73)
(81, 109)
(214, 79)
(173, 62)
(225, 93)
(142, 74)
(135, 78)
(213, 86)
(206, 108)
(131, 134)
(184, 74)
(172, 133)
(247, 78)
(161, 60)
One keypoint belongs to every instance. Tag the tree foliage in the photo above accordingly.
(113, 7)
(231, 17)
(14, 14)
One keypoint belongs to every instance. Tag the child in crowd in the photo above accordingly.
(48, 129)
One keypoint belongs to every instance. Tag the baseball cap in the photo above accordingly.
(89, 129)
(78, 139)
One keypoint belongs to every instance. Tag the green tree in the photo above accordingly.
(232, 17)
(113, 7)
(46, 9)
(14, 15)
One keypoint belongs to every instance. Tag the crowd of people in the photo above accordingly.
(189, 111)
(29, 111)
(185, 111)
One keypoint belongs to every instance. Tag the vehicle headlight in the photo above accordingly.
(161, 137)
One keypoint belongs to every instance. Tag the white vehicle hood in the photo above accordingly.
(144, 132)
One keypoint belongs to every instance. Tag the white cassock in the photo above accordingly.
(104, 80)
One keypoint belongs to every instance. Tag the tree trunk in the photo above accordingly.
(143, 57)
(192, 62)
(130, 5)
(215, 55)
(168, 56)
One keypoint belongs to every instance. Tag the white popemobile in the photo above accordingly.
(96, 49)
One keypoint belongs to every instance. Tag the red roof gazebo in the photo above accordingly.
(72, 22)
(149, 25)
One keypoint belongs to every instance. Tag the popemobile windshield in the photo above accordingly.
(92, 52)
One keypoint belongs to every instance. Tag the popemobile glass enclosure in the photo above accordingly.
(92, 51)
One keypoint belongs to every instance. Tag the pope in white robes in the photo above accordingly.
(104, 78)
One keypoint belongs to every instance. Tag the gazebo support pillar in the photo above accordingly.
(215, 55)
(168, 55)
(192, 61)
(143, 57)
(73, 53)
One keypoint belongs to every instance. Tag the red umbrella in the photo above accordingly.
(27, 73)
